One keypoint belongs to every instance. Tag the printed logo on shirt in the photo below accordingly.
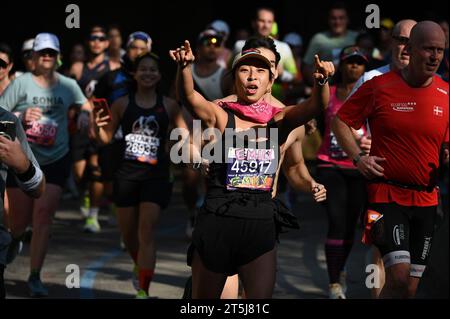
(438, 111)
(143, 143)
(403, 106)
(442, 91)
(47, 100)
(398, 234)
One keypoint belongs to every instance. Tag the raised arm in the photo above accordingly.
(201, 108)
(297, 115)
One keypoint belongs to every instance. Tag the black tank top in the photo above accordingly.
(246, 167)
(243, 187)
(145, 136)
(90, 77)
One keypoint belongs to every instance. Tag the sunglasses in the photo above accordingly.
(27, 54)
(212, 42)
(400, 39)
(100, 38)
(3, 64)
(48, 52)
(355, 60)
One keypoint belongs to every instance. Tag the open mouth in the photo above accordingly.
(251, 89)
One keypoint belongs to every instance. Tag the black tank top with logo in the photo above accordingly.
(241, 185)
(145, 136)
(90, 77)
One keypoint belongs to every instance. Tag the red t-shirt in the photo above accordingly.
(408, 126)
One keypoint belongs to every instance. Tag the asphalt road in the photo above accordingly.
(105, 269)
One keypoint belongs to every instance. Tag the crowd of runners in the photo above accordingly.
(356, 119)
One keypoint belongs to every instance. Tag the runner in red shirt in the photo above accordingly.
(408, 118)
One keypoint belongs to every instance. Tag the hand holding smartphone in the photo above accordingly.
(8, 130)
(105, 114)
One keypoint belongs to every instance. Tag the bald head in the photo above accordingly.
(426, 30)
(426, 49)
(403, 28)
(400, 36)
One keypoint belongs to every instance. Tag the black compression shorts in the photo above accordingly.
(404, 234)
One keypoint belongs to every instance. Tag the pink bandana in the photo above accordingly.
(259, 112)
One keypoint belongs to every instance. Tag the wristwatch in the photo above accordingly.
(357, 158)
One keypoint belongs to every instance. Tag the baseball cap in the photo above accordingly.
(352, 51)
(387, 23)
(220, 26)
(27, 45)
(140, 35)
(46, 41)
(293, 39)
(250, 54)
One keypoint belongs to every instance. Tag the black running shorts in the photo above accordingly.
(404, 234)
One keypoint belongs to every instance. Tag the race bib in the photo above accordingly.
(336, 150)
(142, 148)
(42, 132)
(250, 168)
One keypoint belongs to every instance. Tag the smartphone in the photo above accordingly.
(8, 130)
(102, 104)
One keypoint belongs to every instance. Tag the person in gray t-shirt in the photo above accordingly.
(41, 100)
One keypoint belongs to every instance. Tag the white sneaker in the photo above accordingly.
(91, 225)
(343, 281)
(335, 292)
(84, 211)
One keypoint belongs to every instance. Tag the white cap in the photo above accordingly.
(140, 35)
(46, 41)
(27, 45)
(293, 39)
(220, 26)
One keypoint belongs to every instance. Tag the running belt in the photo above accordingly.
(420, 188)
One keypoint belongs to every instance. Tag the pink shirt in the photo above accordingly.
(330, 151)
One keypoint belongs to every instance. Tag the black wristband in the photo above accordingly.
(357, 158)
(29, 173)
(323, 81)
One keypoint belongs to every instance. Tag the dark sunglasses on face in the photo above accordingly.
(212, 41)
(3, 64)
(48, 52)
(400, 39)
(27, 54)
(355, 60)
(100, 38)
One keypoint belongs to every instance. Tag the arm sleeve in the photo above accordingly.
(358, 107)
